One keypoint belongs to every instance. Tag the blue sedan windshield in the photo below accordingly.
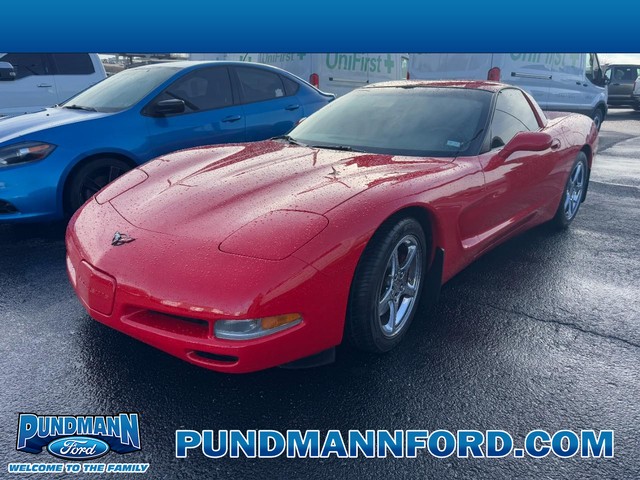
(122, 90)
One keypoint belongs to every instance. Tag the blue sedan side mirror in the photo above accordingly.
(168, 107)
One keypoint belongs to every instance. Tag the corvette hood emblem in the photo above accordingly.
(121, 239)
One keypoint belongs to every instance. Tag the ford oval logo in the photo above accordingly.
(78, 448)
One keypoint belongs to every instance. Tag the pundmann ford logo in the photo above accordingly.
(78, 438)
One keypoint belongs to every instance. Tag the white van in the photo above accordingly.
(337, 73)
(558, 81)
(33, 81)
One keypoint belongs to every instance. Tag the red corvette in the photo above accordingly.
(243, 257)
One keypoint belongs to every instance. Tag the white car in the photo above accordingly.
(30, 82)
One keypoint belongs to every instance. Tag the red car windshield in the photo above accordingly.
(421, 121)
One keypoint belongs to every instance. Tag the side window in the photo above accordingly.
(290, 87)
(627, 74)
(258, 85)
(513, 114)
(404, 68)
(589, 68)
(73, 64)
(203, 89)
(538, 110)
(27, 64)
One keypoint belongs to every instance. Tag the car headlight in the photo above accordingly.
(24, 152)
(250, 329)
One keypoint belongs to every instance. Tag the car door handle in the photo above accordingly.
(616, 84)
(292, 107)
(44, 85)
(555, 144)
(231, 118)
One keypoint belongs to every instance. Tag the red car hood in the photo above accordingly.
(213, 191)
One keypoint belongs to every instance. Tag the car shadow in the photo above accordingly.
(32, 231)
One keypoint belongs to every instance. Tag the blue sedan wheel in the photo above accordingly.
(90, 179)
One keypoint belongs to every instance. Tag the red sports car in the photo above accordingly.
(243, 257)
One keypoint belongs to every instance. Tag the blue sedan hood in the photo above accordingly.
(29, 123)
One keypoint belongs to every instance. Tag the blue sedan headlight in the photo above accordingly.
(24, 152)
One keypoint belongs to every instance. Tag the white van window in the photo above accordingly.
(592, 68)
(258, 85)
(27, 64)
(73, 63)
(404, 68)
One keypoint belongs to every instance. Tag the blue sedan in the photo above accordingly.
(51, 162)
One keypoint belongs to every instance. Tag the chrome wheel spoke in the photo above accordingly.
(410, 290)
(383, 306)
(411, 256)
(399, 290)
(573, 194)
(393, 312)
(577, 174)
(394, 262)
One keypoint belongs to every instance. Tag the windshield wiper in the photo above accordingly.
(81, 107)
(345, 148)
(464, 145)
(289, 139)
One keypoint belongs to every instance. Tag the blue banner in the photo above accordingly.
(336, 26)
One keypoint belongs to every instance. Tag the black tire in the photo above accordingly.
(598, 117)
(90, 178)
(366, 327)
(568, 209)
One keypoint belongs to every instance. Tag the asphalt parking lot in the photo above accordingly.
(543, 332)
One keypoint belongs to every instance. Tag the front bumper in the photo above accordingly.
(173, 305)
(31, 190)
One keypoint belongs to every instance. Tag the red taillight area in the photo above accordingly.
(95, 288)
(314, 80)
(494, 74)
(408, 75)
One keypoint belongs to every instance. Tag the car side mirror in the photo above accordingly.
(527, 142)
(7, 72)
(168, 107)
